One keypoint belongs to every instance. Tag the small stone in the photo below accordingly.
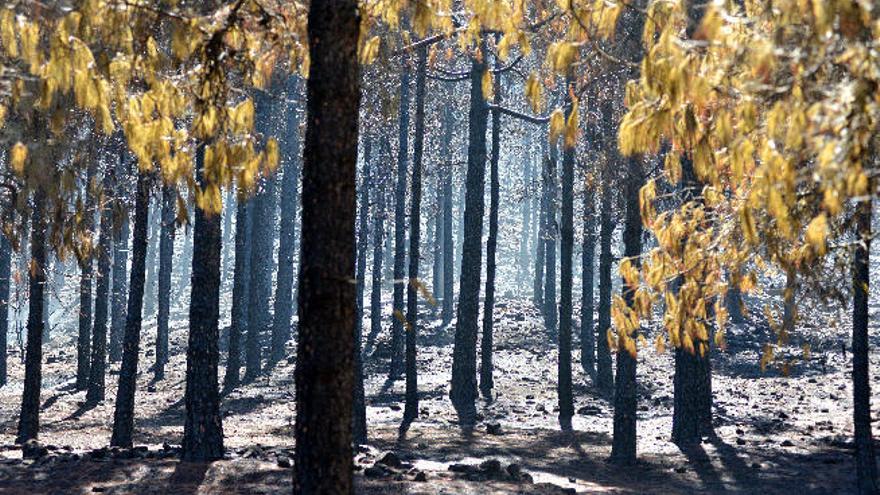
(491, 466)
(390, 459)
(394, 407)
(493, 428)
(514, 470)
(284, 462)
(420, 477)
(787, 443)
(740, 441)
(374, 472)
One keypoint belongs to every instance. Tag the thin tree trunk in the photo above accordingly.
(486, 345)
(287, 230)
(448, 244)
(359, 412)
(604, 374)
(120, 285)
(588, 255)
(866, 464)
(203, 426)
(379, 215)
(325, 354)
(86, 264)
(397, 337)
(550, 309)
(540, 255)
(166, 255)
(29, 419)
(123, 417)
(5, 275)
(623, 446)
(463, 391)
(98, 366)
(411, 404)
(566, 401)
(240, 292)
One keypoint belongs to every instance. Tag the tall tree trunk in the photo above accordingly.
(540, 235)
(98, 366)
(397, 337)
(240, 292)
(550, 309)
(29, 419)
(604, 374)
(588, 255)
(379, 215)
(566, 269)
(623, 446)
(5, 276)
(262, 254)
(287, 230)
(86, 264)
(866, 464)
(411, 404)
(325, 354)
(123, 416)
(166, 255)
(486, 344)
(203, 426)
(692, 381)
(448, 245)
(463, 391)
(526, 211)
(436, 239)
(153, 231)
(229, 209)
(359, 411)
(120, 284)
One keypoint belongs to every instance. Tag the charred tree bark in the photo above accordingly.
(486, 345)
(463, 391)
(123, 416)
(287, 231)
(448, 244)
(380, 213)
(120, 286)
(866, 464)
(566, 275)
(240, 292)
(588, 255)
(325, 355)
(411, 404)
(98, 366)
(203, 427)
(551, 318)
(359, 412)
(29, 418)
(540, 234)
(86, 265)
(397, 337)
(166, 255)
(623, 446)
(604, 374)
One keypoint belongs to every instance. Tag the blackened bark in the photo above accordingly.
(540, 234)
(397, 337)
(526, 211)
(486, 345)
(102, 292)
(240, 292)
(604, 374)
(123, 416)
(5, 274)
(166, 255)
(463, 391)
(448, 244)
(379, 216)
(411, 404)
(550, 310)
(262, 253)
(29, 419)
(588, 255)
(437, 239)
(86, 265)
(287, 230)
(203, 426)
(359, 411)
(120, 288)
(866, 464)
(325, 355)
(566, 252)
(623, 446)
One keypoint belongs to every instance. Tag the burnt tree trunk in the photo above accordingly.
(552, 231)
(463, 391)
(29, 418)
(98, 366)
(397, 337)
(325, 354)
(120, 282)
(203, 427)
(566, 268)
(604, 373)
(123, 416)
(86, 265)
(486, 382)
(588, 255)
(448, 244)
(380, 213)
(359, 411)
(166, 255)
(866, 464)
(411, 404)
(5, 276)
(623, 446)
(240, 292)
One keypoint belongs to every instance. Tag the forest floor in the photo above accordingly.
(775, 433)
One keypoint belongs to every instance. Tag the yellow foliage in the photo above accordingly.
(17, 157)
